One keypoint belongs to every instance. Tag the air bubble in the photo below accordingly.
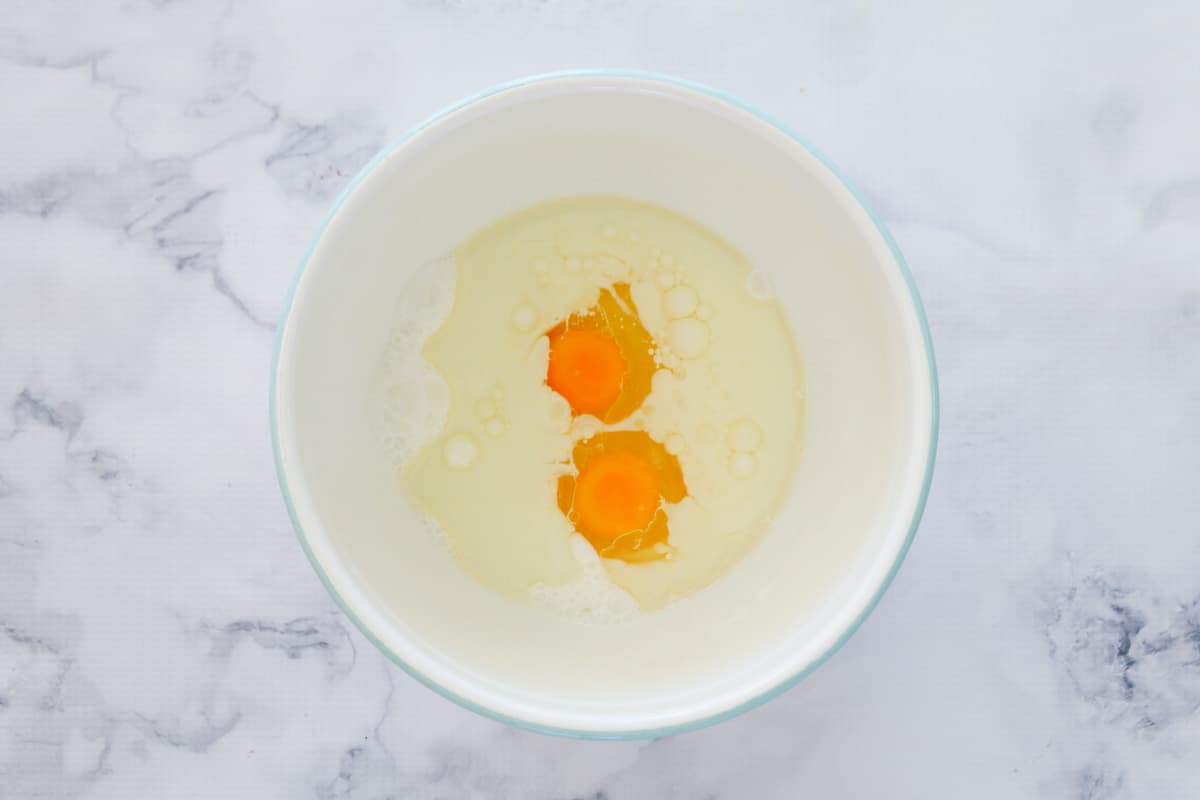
(758, 287)
(495, 426)
(742, 465)
(460, 451)
(680, 302)
(744, 436)
(688, 337)
(572, 264)
(666, 279)
(524, 317)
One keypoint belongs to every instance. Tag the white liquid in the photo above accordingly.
(725, 402)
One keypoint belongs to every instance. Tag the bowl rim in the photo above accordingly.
(674, 83)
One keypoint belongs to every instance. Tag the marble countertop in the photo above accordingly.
(162, 166)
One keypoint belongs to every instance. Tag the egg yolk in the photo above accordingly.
(602, 363)
(602, 358)
(616, 498)
(614, 494)
(586, 368)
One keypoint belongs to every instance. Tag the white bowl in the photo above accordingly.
(870, 430)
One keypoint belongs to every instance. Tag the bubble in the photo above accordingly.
(495, 426)
(742, 465)
(744, 436)
(524, 317)
(572, 264)
(680, 302)
(758, 287)
(460, 451)
(666, 279)
(485, 408)
(688, 338)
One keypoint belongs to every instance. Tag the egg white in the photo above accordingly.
(728, 401)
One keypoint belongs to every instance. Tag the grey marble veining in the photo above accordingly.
(162, 165)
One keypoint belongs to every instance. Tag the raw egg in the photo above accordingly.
(612, 381)
(615, 498)
(601, 362)
(601, 359)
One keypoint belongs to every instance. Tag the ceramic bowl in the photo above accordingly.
(870, 428)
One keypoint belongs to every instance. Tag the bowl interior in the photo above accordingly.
(868, 428)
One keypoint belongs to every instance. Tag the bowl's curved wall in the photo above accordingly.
(870, 423)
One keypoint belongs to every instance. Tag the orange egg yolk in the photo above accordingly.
(602, 363)
(586, 368)
(616, 499)
(602, 359)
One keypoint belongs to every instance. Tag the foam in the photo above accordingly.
(408, 398)
(590, 599)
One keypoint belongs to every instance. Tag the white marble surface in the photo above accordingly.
(162, 165)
